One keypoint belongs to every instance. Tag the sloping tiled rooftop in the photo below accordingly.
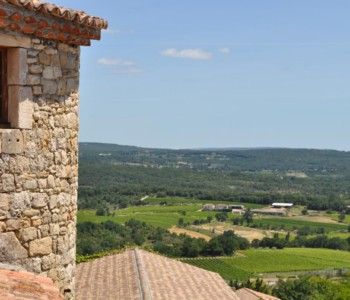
(138, 274)
(18, 285)
(248, 294)
(75, 16)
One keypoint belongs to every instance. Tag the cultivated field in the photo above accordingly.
(161, 216)
(293, 224)
(246, 232)
(190, 233)
(257, 262)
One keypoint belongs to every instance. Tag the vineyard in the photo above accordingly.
(290, 224)
(254, 262)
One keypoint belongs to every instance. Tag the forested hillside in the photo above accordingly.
(116, 176)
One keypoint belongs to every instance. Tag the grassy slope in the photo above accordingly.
(253, 262)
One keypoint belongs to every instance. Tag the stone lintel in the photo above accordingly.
(7, 40)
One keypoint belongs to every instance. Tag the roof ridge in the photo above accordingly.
(143, 280)
(73, 15)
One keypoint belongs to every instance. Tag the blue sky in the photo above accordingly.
(228, 73)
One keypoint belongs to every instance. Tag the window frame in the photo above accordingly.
(4, 88)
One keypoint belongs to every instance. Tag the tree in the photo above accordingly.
(342, 216)
(306, 288)
(221, 217)
(248, 216)
(181, 222)
(287, 238)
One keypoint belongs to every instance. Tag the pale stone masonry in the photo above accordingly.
(39, 142)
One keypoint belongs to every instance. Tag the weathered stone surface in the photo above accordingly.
(20, 202)
(18, 67)
(13, 224)
(11, 141)
(8, 182)
(31, 212)
(20, 107)
(10, 248)
(39, 163)
(40, 247)
(49, 86)
(28, 234)
(39, 200)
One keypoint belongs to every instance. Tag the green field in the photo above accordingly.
(190, 210)
(161, 216)
(156, 215)
(335, 217)
(253, 262)
(289, 224)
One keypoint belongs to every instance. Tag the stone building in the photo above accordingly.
(39, 101)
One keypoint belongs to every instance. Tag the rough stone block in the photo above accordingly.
(20, 203)
(17, 66)
(40, 247)
(9, 241)
(40, 200)
(28, 234)
(13, 224)
(14, 41)
(8, 182)
(11, 141)
(21, 107)
(49, 86)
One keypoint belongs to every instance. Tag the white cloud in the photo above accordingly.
(120, 66)
(197, 54)
(225, 50)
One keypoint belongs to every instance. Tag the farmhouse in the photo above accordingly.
(215, 207)
(208, 207)
(39, 104)
(282, 205)
(221, 207)
(270, 211)
(236, 206)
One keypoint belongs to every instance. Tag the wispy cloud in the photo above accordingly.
(120, 66)
(225, 50)
(197, 54)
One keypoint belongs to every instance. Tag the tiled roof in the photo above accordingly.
(138, 274)
(248, 294)
(49, 9)
(15, 285)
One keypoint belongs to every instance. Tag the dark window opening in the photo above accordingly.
(3, 87)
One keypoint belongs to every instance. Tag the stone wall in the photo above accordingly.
(39, 161)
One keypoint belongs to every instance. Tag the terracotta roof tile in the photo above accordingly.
(138, 274)
(248, 294)
(75, 16)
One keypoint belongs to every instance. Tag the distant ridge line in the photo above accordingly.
(208, 149)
